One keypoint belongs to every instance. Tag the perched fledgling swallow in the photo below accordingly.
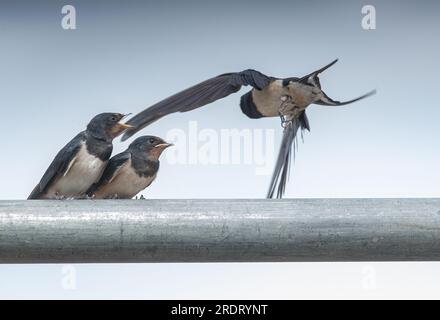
(270, 97)
(131, 171)
(82, 161)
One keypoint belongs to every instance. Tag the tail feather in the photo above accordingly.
(286, 155)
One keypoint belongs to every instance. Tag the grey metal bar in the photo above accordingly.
(219, 230)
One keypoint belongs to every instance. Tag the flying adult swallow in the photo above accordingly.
(82, 161)
(131, 171)
(270, 97)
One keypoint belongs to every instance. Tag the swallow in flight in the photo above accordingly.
(287, 98)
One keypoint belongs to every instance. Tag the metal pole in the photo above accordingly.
(219, 230)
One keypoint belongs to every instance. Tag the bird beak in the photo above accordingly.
(163, 146)
(120, 128)
(124, 126)
(314, 74)
(158, 149)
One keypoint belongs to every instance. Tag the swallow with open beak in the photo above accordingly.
(131, 171)
(286, 98)
(82, 161)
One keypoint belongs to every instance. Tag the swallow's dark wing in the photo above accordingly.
(286, 155)
(313, 79)
(59, 167)
(110, 172)
(197, 96)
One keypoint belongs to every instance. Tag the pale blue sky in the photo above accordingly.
(127, 55)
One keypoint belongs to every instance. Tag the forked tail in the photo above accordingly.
(286, 155)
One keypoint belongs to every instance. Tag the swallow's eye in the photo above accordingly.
(114, 119)
(152, 141)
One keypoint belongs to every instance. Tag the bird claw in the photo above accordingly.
(285, 122)
(286, 110)
(59, 197)
(90, 197)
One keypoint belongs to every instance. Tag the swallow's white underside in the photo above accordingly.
(83, 171)
(125, 184)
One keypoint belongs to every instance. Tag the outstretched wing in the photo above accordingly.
(111, 171)
(286, 155)
(326, 101)
(59, 167)
(313, 79)
(197, 96)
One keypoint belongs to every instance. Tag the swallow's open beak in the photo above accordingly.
(124, 126)
(120, 128)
